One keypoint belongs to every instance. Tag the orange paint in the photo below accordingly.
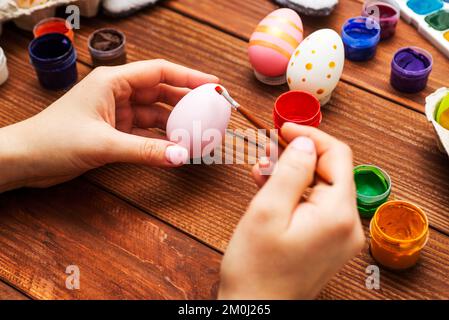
(399, 230)
(53, 25)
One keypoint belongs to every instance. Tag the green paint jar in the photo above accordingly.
(373, 187)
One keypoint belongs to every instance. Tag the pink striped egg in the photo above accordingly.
(272, 44)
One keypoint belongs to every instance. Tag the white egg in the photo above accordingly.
(199, 120)
(317, 64)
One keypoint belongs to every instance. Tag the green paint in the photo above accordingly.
(373, 188)
(442, 112)
(370, 182)
(439, 20)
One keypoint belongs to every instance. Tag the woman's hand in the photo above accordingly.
(103, 119)
(285, 248)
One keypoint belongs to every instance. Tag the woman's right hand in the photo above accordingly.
(288, 248)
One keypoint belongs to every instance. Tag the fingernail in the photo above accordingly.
(264, 162)
(176, 155)
(304, 144)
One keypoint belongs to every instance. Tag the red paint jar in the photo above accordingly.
(54, 25)
(299, 107)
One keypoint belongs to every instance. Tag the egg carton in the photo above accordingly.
(442, 134)
(26, 13)
(10, 9)
(310, 7)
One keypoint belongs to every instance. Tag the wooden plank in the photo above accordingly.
(426, 280)
(121, 252)
(372, 75)
(386, 134)
(191, 198)
(9, 293)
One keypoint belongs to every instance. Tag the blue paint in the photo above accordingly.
(54, 59)
(360, 37)
(425, 6)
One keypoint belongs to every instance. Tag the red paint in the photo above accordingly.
(53, 25)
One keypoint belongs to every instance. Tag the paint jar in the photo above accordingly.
(399, 230)
(88, 8)
(54, 59)
(27, 22)
(373, 187)
(299, 107)
(54, 25)
(386, 13)
(3, 67)
(360, 36)
(107, 47)
(410, 69)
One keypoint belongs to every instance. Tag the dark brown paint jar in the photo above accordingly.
(107, 47)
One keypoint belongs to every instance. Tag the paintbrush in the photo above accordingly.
(247, 114)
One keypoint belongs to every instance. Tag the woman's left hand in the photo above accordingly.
(103, 119)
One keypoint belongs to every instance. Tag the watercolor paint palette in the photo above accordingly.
(431, 18)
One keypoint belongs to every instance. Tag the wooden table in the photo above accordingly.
(145, 233)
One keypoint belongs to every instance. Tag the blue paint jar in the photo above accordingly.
(54, 59)
(360, 37)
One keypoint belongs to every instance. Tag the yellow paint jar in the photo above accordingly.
(399, 230)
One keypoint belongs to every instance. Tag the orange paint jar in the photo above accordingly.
(399, 230)
(54, 25)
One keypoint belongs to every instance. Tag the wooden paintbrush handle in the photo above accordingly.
(260, 125)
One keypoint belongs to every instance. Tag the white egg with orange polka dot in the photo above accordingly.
(317, 64)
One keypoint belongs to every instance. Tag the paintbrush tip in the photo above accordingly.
(219, 89)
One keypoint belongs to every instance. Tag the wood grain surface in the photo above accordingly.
(118, 245)
(384, 133)
(121, 252)
(9, 293)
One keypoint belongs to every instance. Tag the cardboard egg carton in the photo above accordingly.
(441, 133)
(13, 9)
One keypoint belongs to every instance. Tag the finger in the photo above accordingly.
(294, 173)
(262, 170)
(149, 73)
(160, 93)
(130, 148)
(334, 157)
(154, 116)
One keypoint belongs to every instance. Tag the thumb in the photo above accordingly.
(148, 151)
